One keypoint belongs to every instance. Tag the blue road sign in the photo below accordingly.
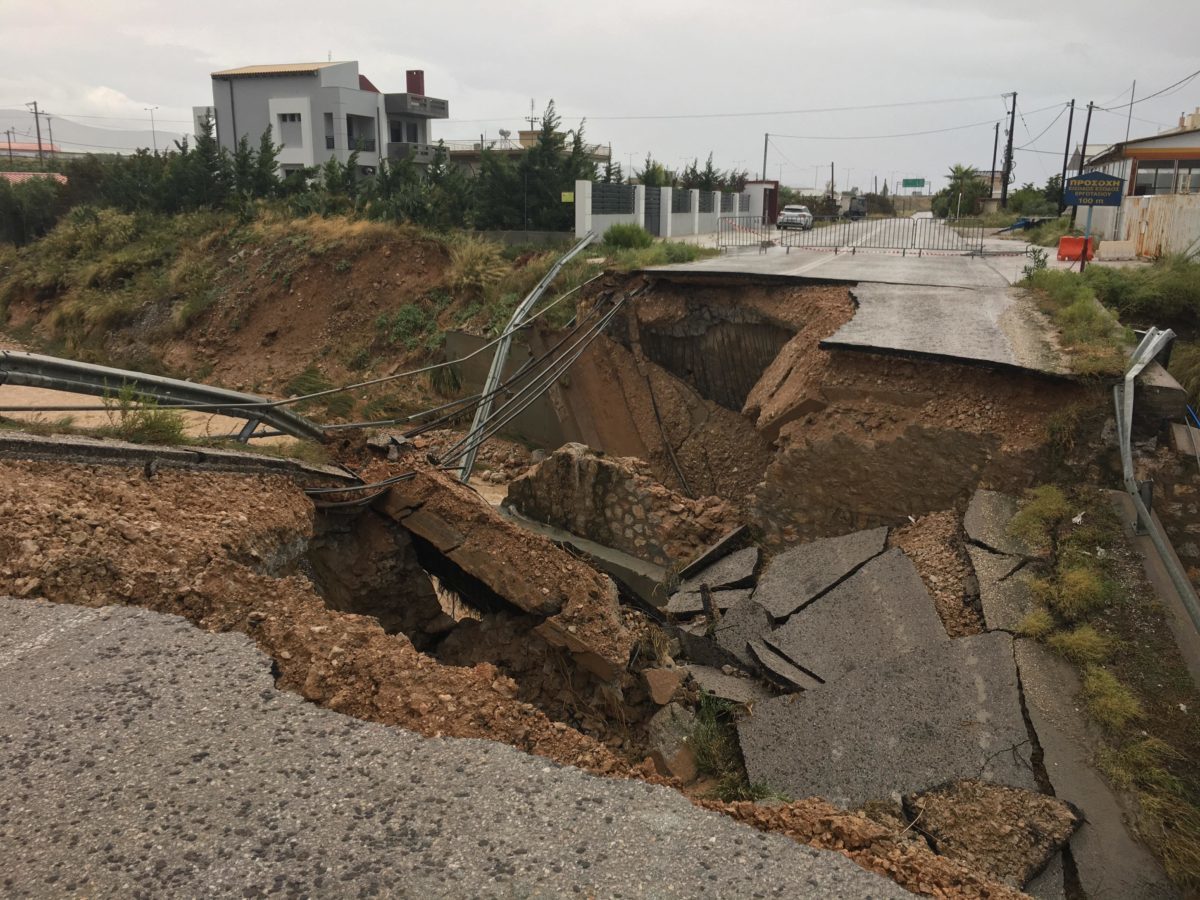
(1094, 189)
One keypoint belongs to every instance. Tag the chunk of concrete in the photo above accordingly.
(668, 735)
(1158, 396)
(796, 576)
(1004, 593)
(728, 687)
(1011, 833)
(1110, 861)
(733, 571)
(950, 710)
(743, 623)
(986, 523)
(782, 671)
(690, 604)
(663, 683)
(699, 647)
(882, 610)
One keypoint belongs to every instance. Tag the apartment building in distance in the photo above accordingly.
(317, 111)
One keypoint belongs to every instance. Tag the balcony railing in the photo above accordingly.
(593, 151)
(418, 153)
(416, 105)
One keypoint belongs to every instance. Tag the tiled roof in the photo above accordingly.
(18, 177)
(275, 69)
(27, 147)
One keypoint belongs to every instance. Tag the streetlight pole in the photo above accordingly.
(154, 133)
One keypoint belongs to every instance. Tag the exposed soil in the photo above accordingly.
(909, 863)
(934, 544)
(216, 549)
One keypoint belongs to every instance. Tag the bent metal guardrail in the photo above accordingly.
(907, 235)
(35, 370)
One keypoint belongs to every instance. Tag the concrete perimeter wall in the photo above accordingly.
(671, 224)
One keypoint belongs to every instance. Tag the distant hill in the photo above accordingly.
(73, 136)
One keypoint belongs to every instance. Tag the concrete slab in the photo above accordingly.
(1110, 862)
(780, 670)
(796, 576)
(691, 604)
(986, 522)
(733, 571)
(143, 756)
(1185, 438)
(728, 687)
(825, 265)
(993, 326)
(882, 610)
(948, 711)
(1004, 593)
(746, 622)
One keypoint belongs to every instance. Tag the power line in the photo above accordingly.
(1043, 131)
(1170, 87)
(877, 137)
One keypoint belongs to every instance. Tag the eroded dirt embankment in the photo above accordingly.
(822, 442)
(225, 551)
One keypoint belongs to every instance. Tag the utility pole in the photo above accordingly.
(1008, 154)
(831, 181)
(50, 128)
(153, 132)
(1087, 127)
(37, 123)
(1066, 159)
(9, 135)
(766, 140)
(995, 150)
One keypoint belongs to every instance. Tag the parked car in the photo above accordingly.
(795, 216)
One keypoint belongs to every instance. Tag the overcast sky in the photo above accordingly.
(689, 59)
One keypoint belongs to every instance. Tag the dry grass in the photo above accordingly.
(1082, 646)
(1108, 701)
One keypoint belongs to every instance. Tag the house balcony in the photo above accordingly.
(416, 105)
(421, 154)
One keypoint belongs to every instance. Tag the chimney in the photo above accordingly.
(416, 81)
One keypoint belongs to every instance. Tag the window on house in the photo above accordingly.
(1188, 180)
(1154, 177)
(413, 135)
(289, 117)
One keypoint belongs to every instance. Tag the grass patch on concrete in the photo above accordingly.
(1093, 335)
(1099, 612)
(714, 742)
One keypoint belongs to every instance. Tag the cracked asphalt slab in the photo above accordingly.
(141, 756)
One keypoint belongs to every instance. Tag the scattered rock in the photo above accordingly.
(1008, 832)
(668, 734)
(663, 683)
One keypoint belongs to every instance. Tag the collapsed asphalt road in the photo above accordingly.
(144, 757)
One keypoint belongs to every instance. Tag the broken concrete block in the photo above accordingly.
(698, 646)
(734, 571)
(690, 604)
(780, 670)
(743, 623)
(663, 683)
(1004, 593)
(668, 734)
(986, 523)
(882, 610)
(434, 529)
(1110, 860)
(796, 576)
(1158, 397)
(1011, 833)
(728, 687)
(948, 711)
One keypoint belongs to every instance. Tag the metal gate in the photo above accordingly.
(653, 214)
(910, 235)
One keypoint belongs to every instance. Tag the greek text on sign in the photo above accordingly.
(1094, 189)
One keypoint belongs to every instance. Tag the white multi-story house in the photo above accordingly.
(321, 110)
